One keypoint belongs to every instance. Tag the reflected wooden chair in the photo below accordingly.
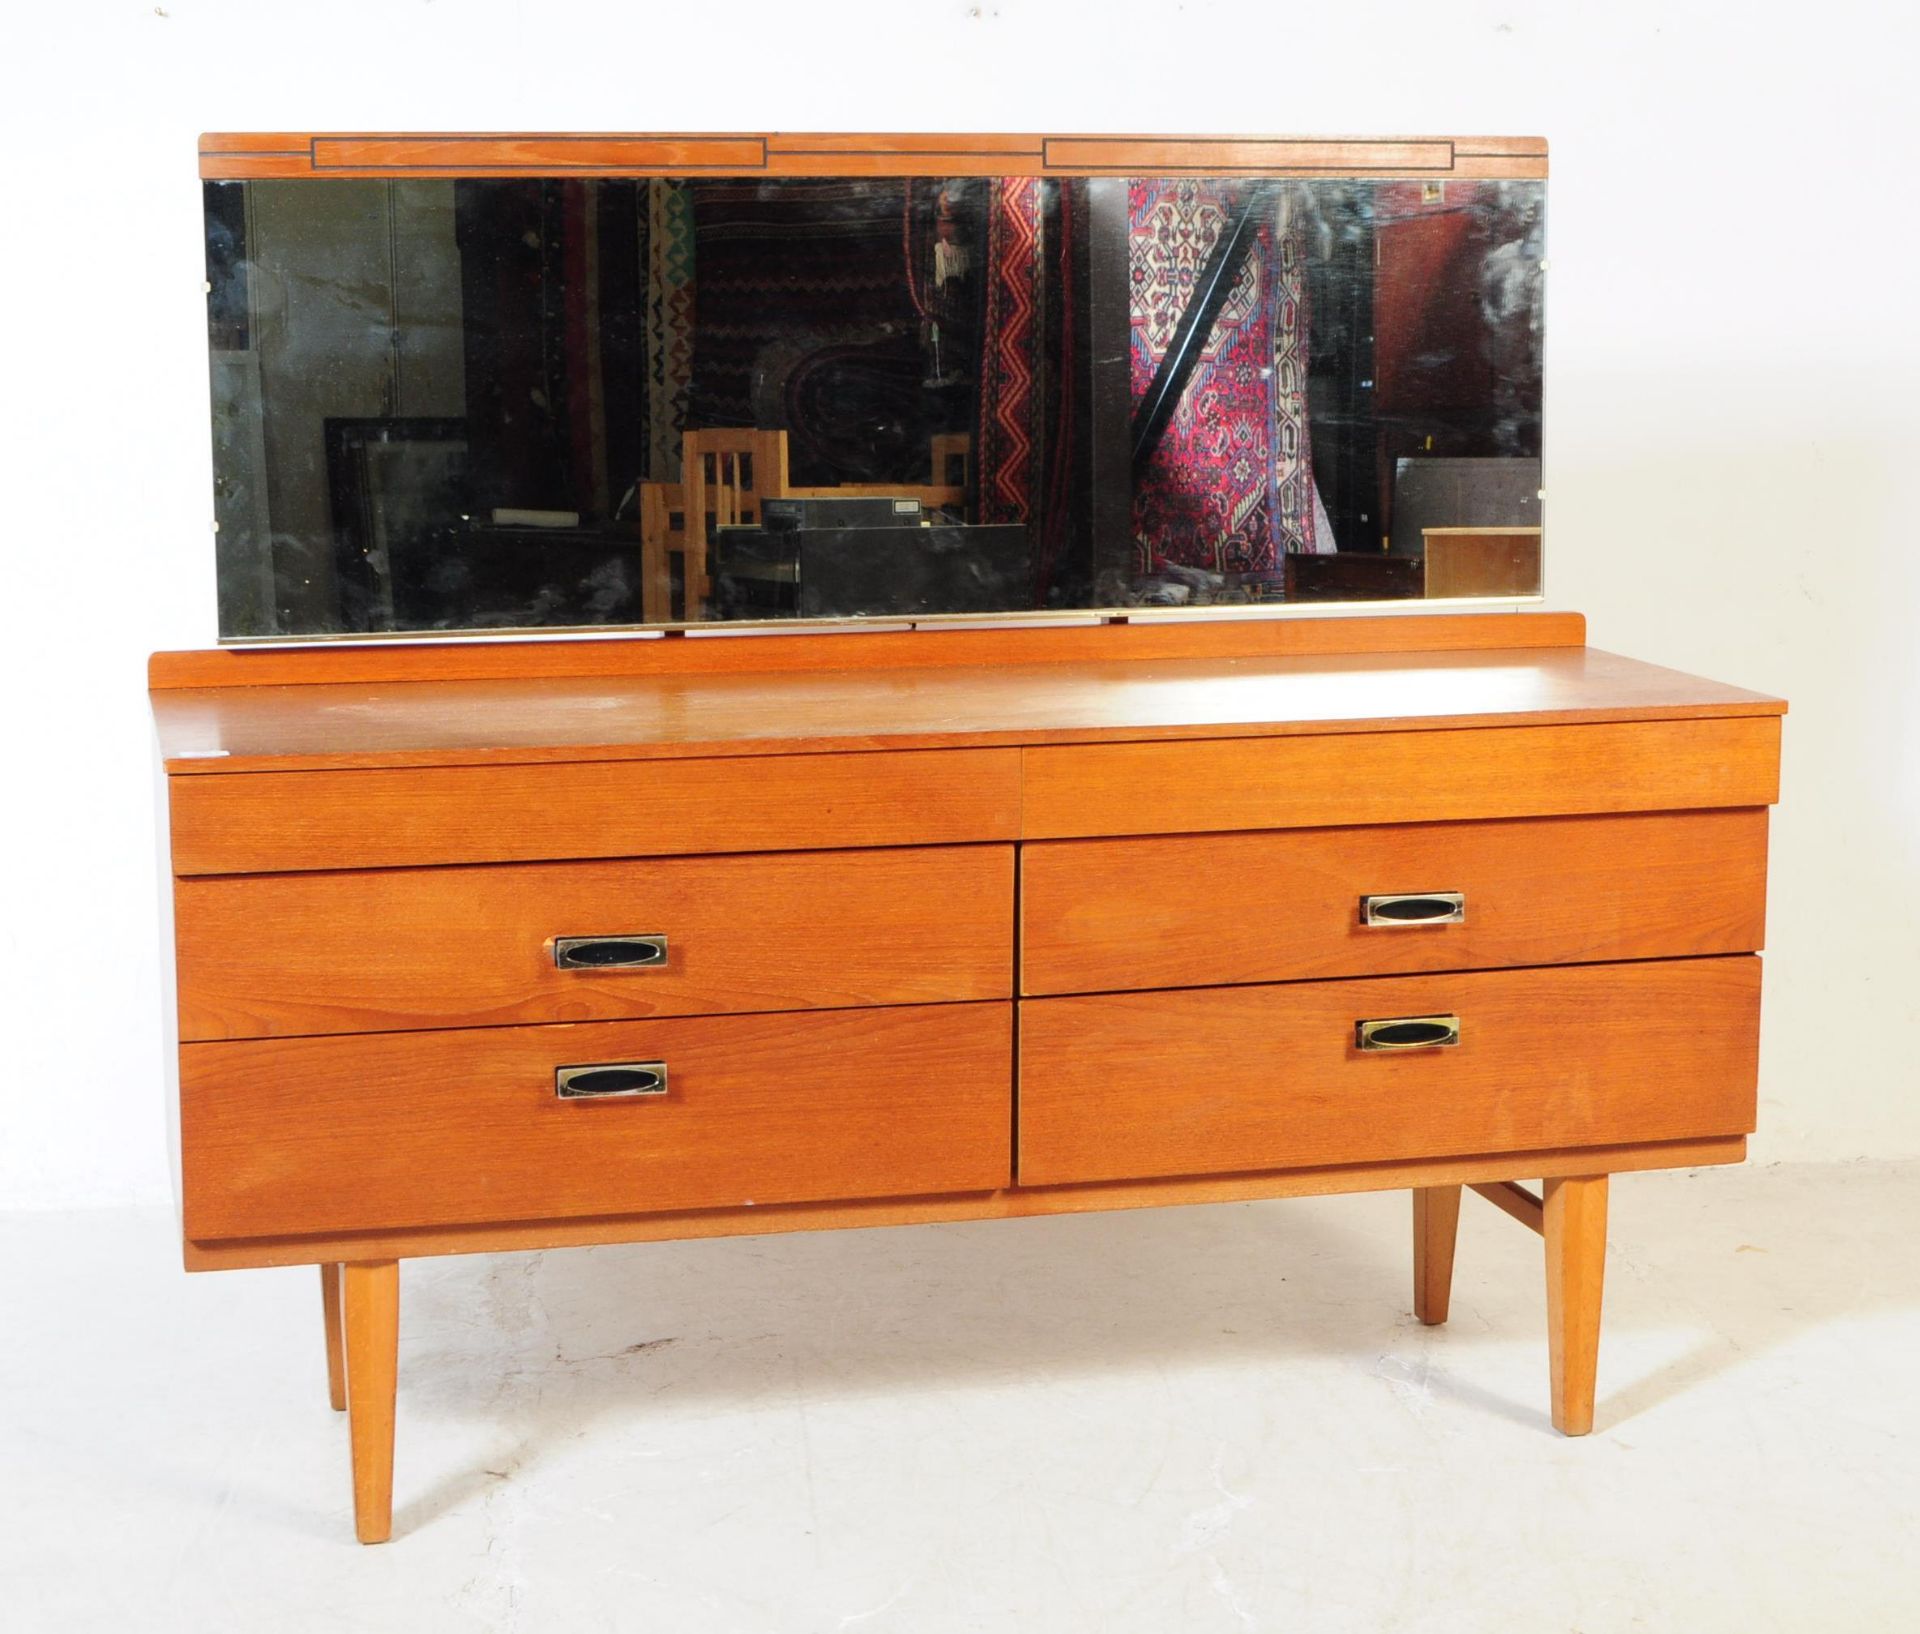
(724, 474)
(951, 452)
(662, 533)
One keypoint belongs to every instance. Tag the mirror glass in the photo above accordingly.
(452, 405)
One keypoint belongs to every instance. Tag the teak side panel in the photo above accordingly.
(1014, 1203)
(1196, 910)
(1215, 1080)
(943, 647)
(1399, 777)
(372, 1131)
(282, 954)
(272, 822)
(233, 156)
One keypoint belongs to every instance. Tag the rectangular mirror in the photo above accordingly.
(450, 403)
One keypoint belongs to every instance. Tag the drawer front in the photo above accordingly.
(1222, 1080)
(274, 822)
(1187, 910)
(1074, 790)
(281, 954)
(321, 1135)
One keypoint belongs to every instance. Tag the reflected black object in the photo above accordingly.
(1211, 290)
(477, 576)
(1461, 493)
(870, 572)
(1414, 909)
(459, 404)
(1352, 575)
(785, 515)
(609, 953)
(574, 1085)
(1412, 1032)
(1408, 1033)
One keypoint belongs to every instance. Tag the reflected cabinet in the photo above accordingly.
(1165, 896)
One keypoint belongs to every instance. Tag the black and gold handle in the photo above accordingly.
(611, 1081)
(1407, 1033)
(637, 952)
(1408, 909)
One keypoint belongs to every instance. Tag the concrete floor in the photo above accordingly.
(1190, 1420)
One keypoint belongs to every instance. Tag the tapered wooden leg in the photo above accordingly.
(372, 1304)
(1436, 1227)
(336, 1355)
(1575, 1218)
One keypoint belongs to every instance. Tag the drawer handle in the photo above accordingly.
(610, 952)
(1415, 908)
(1408, 1033)
(611, 1080)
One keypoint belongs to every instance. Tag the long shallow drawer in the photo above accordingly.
(278, 954)
(1290, 904)
(273, 822)
(1313, 781)
(308, 1135)
(1220, 1080)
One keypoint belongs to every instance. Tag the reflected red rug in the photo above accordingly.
(1230, 485)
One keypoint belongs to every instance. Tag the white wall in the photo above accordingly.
(1732, 413)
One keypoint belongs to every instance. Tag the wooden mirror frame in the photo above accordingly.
(254, 157)
(283, 155)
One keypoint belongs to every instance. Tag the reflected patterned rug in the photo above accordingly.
(668, 270)
(791, 275)
(1230, 485)
(1009, 431)
(1024, 412)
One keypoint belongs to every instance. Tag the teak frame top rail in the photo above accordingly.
(284, 155)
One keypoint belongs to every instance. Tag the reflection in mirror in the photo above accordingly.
(495, 404)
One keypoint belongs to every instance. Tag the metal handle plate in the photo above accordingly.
(610, 952)
(611, 1081)
(1413, 908)
(1407, 1033)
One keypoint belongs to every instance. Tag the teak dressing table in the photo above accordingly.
(517, 945)
(911, 967)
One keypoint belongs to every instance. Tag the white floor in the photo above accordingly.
(1189, 1420)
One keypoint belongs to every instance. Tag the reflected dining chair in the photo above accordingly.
(725, 472)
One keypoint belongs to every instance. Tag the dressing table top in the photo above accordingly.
(437, 706)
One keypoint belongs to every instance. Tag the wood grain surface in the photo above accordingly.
(1436, 1234)
(839, 648)
(372, 951)
(286, 821)
(330, 1316)
(374, 725)
(1398, 777)
(292, 154)
(1192, 910)
(1574, 1223)
(368, 1131)
(1013, 1203)
(1200, 1080)
(371, 1296)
